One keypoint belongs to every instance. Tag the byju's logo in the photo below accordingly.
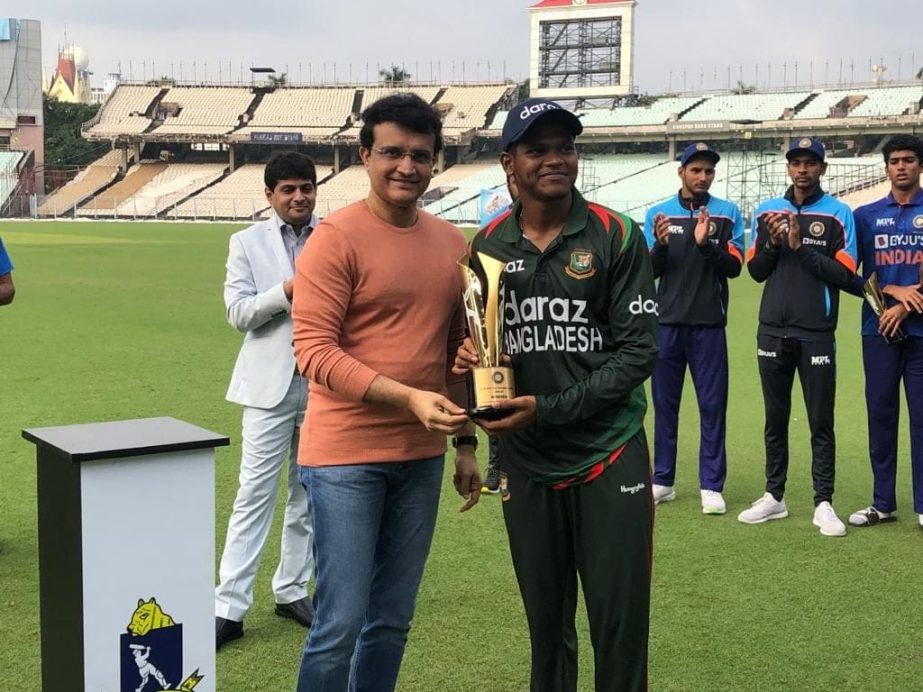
(881, 241)
(639, 306)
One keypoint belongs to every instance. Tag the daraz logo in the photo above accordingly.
(639, 305)
(529, 111)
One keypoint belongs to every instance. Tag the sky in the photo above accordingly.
(679, 46)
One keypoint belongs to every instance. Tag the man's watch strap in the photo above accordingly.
(462, 440)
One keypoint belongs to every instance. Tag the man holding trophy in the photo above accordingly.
(890, 240)
(576, 319)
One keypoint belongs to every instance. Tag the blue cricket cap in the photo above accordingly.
(806, 145)
(525, 114)
(698, 149)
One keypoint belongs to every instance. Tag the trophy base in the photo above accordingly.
(489, 413)
(489, 385)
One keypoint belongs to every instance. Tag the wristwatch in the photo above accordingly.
(465, 440)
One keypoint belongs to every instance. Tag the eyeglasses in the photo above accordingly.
(421, 157)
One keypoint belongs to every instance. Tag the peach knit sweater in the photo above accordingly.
(369, 299)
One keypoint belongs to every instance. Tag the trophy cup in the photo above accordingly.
(871, 291)
(491, 381)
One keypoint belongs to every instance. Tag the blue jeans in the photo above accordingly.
(373, 526)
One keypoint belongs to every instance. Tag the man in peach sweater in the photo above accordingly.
(377, 318)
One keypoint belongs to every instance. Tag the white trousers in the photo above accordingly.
(270, 444)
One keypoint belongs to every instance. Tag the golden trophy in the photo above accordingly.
(490, 381)
(873, 295)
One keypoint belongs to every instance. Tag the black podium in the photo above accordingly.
(126, 523)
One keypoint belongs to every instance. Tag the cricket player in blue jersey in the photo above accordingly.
(890, 239)
(696, 245)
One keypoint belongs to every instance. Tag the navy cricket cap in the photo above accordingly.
(698, 149)
(806, 145)
(525, 114)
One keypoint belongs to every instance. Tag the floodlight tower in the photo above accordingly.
(747, 180)
(581, 49)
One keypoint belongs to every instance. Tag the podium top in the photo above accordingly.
(124, 438)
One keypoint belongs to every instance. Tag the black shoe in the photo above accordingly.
(301, 611)
(491, 479)
(227, 631)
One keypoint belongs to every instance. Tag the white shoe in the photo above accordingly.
(764, 509)
(920, 520)
(663, 493)
(827, 521)
(869, 516)
(713, 502)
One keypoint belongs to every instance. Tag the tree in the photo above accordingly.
(742, 88)
(63, 144)
(279, 80)
(394, 76)
(646, 99)
(522, 93)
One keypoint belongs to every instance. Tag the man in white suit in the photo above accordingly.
(258, 294)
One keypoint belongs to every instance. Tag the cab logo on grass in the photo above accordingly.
(581, 265)
(151, 652)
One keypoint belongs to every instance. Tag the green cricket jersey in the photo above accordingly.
(580, 324)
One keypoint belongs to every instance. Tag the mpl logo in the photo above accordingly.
(881, 241)
(820, 360)
(529, 111)
(639, 305)
(880, 223)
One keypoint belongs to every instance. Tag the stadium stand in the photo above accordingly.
(348, 186)
(313, 112)
(459, 189)
(238, 196)
(87, 183)
(174, 184)
(106, 203)
(467, 107)
(203, 110)
(747, 107)
(866, 195)
(9, 173)
(371, 94)
(657, 113)
(826, 103)
(889, 101)
(628, 183)
(124, 111)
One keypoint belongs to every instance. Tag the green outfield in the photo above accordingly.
(125, 320)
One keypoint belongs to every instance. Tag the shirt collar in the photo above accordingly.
(510, 231)
(915, 201)
(790, 196)
(694, 202)
(280, 225)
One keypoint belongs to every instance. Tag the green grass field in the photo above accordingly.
(122, 320)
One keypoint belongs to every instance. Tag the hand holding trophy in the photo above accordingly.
(873, 295)
(491, 381)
